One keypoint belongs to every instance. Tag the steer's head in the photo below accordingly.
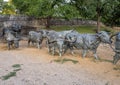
(44, 33)
(71, 37)
(16, 28)
(104, 37)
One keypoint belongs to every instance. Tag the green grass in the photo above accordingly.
(105, 60)
(16, 65)
(57, 60)
(9, 75)
(117, 67)
(80, 29)
(66, 60)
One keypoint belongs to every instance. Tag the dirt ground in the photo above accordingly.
(38, 67)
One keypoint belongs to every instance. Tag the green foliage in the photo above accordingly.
(86, 10)
(6, 8)
(9, 75)
(1, 5)
(66, 60)
(108, 10)
(16, 65)
(21, 5)
(68, 11)
(112, 17)
(45, 8)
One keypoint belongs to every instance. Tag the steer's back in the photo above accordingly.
(34, 36)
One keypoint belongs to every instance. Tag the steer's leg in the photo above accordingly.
(60, 54)
(53, 50)
(12, 44)
(116, 58)
(72, 52)
(71, 49)
(47, 43)
(33, 43)
(8, 45)
(84, 53)
(38, 45)
(28, 42)
(95, 55)
(49, 48)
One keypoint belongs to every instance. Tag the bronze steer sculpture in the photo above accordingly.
(12, 40)
(35, 37)
(55, 41)
(116, 49)
(57, 45)
(87, 41)
(16, 28)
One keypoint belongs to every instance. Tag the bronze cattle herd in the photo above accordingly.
(62, 41)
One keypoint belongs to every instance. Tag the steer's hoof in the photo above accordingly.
(73, 53)
(97, 58)
(60, 55)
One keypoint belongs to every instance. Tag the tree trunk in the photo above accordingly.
(98, 22)
(48, 22)
(98, 15)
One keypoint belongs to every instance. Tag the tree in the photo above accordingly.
(45, 9)
(1, 6)
(112, 17)
(93, 9)
(6, 7)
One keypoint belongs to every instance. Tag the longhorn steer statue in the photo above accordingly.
(11, 39)
(57, 45)
(16, 28)
(116, 49)
(44, 32)
(56, 41)
(90, 41)
(35, 37)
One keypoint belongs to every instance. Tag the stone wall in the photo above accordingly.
(72, 22)
(31, 23)
(7, 20)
